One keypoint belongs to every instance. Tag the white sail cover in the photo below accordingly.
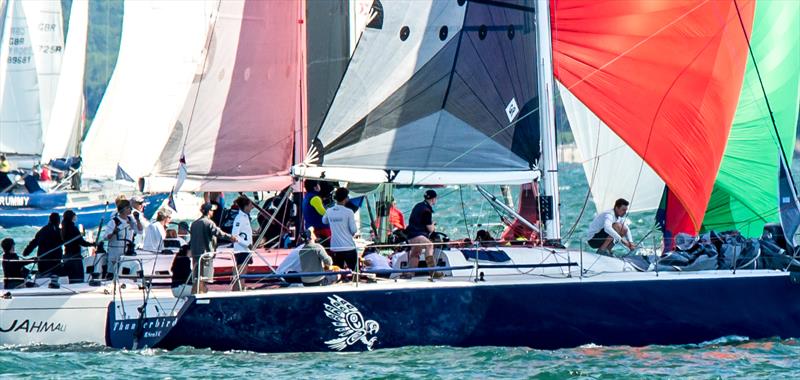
(46, 28)
(64, 130)
(241, 121)
(436, 92)
(20, 116)
(161, 50)
(612, 168)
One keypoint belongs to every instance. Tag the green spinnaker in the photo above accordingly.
(745, 194)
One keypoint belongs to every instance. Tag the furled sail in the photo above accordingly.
(46, 29)
(240, 123)
(612, 168)
(161, 51)
(746, 191)
(436, 92)
(663, 75)
(65, 127)
(20, 116)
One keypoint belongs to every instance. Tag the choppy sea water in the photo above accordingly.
(730, 357)
(725, 358)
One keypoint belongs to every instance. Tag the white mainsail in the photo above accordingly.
(65, 127)
(161, 50)
(612, 168)
(46, 30)
(20, 115)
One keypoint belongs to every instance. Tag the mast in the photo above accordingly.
(549, 199)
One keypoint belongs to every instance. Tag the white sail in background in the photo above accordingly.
(46, 29)
(161, 50)
(360, 12)
(64, 129)
(612, 168)
(20, 115)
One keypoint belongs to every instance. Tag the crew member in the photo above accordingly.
(155, 233)
(420, 227)
(120, 232)
(48, 241)
(203, 231)
(5, 168)
(73, 241)
(14, 271)
(137, 204)
(342, 222)
(313, 210)
(314, 259)
(610, 227)
(243, 230)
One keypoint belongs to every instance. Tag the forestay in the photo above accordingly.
(242, 118)
(65, 127)
(20, 116)
(161, 52)
(612, 168)
(437, 92)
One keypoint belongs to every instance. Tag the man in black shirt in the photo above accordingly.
(420, 227)
(48, 241)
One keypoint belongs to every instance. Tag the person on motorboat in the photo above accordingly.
(48, 244)
(314, 259)
(243, 230)
(313, 210)
(203, 232)
(342, 222)
(120, 232)
(181, 270)
(14, 271)
(420, 228)
(155, 233)
(609, 228)
(73, 241)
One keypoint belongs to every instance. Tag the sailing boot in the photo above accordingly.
(431, 263)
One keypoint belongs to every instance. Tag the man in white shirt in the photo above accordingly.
(155, 233)
(243, 230)
(137, 204)
(343, 227)
(610, 227)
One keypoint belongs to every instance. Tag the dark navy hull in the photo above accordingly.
(545, 316)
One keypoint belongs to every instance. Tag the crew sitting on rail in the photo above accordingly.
(14, 271)
(484, 239)
(420, 227)
(611, 227)
(314, 259)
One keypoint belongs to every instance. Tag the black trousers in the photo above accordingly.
(345, 259)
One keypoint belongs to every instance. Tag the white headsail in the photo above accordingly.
(244, 116)
(65, 127)
(46, 29)
(20, 115)
(161, 50)
(612, 168)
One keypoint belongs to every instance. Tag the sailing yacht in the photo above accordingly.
(460, 92)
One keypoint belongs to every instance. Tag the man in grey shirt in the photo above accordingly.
(203, 231)
(313, 258)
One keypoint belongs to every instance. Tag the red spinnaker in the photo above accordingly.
(664, 75)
